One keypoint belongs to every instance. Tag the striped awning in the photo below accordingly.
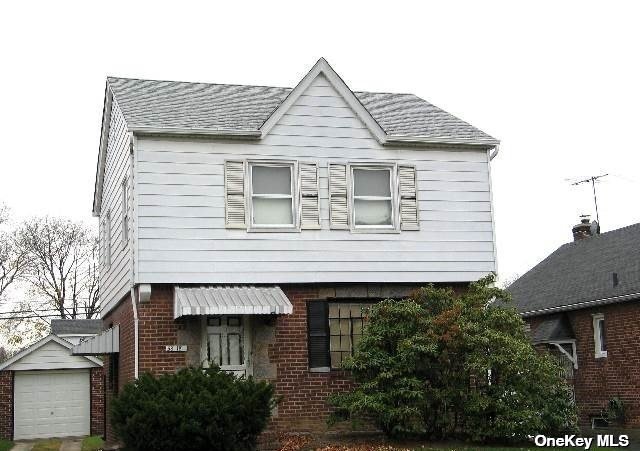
(108, 342)
(230, 300)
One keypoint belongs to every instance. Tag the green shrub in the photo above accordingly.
(192, 410)
(449, 365)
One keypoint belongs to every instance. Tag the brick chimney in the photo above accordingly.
(582, 230)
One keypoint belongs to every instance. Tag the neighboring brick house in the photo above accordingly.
(248, 225)
(583, 304)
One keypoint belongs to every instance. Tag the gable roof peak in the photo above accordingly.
(323, 67)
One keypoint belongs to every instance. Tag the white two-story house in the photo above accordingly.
(246, 226)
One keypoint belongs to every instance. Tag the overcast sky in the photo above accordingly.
(556, 81)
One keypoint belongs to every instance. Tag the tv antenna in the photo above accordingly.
(592, 179)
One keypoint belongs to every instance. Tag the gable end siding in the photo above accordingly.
(115, 279)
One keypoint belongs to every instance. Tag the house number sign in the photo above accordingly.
(176, 348)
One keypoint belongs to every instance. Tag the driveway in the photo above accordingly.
(66, 445)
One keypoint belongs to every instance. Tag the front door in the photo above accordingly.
(228, 344)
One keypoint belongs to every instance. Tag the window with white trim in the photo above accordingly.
(373, 197)
(107, 240)
(125, 212)
(599, 336)
(272, 195)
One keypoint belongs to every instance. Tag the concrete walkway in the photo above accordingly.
(23, 446)
(67, 445)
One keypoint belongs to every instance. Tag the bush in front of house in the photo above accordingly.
(445, 365)
(192, 410)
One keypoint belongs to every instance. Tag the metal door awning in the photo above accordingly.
(230, 300)
(108, 342)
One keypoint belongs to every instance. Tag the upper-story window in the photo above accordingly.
(599, 336)
(373, 197)
(106, 239)
(125, 212)
(272, 195)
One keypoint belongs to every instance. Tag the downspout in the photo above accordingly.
(135, 332)
(496, 151)
(132, 238)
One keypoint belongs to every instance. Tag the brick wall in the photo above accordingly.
(122, 315)
(97, 401)
(157, 329)
(597, 380)
(6, 404)
(303, 407)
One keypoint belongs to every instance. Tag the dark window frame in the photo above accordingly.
(322, 338)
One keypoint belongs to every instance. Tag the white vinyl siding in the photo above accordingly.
(51, 356)
(115, 272)
(182, 236)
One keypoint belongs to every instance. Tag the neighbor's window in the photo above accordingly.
(272, 195)
(372, 197)
(599, 336)
(346, 321)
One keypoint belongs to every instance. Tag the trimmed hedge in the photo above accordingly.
(194, 409)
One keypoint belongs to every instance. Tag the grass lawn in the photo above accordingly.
(92, 443)
(5, 445)
(52, 444)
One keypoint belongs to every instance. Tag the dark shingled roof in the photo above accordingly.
(582, 271)
(76, 326)
(555, 328)
(183, 105)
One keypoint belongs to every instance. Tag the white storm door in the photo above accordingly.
(51, 404)
(228, 343)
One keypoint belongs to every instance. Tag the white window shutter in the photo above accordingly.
(408, 198)
(234, 204)
(309, 202)
(338, 196)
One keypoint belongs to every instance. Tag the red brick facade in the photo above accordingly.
(97, 401)
(6, 404)
(303, 406)
(597, 380)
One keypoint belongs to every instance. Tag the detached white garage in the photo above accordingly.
(52, 390)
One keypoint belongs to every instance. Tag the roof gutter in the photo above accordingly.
(403, 139)
(581, 305)
(253, 134)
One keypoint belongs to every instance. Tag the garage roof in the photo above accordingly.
(50, 353)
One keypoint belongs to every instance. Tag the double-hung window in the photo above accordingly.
(272, 195)
(373, 204)
(599, 336)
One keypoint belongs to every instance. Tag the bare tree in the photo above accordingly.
(12, 257)
(62, 265)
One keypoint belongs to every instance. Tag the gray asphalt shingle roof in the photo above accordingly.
(582, 271)
(76, 326)
(184, 105)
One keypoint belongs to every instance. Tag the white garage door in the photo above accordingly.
(51, 404)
